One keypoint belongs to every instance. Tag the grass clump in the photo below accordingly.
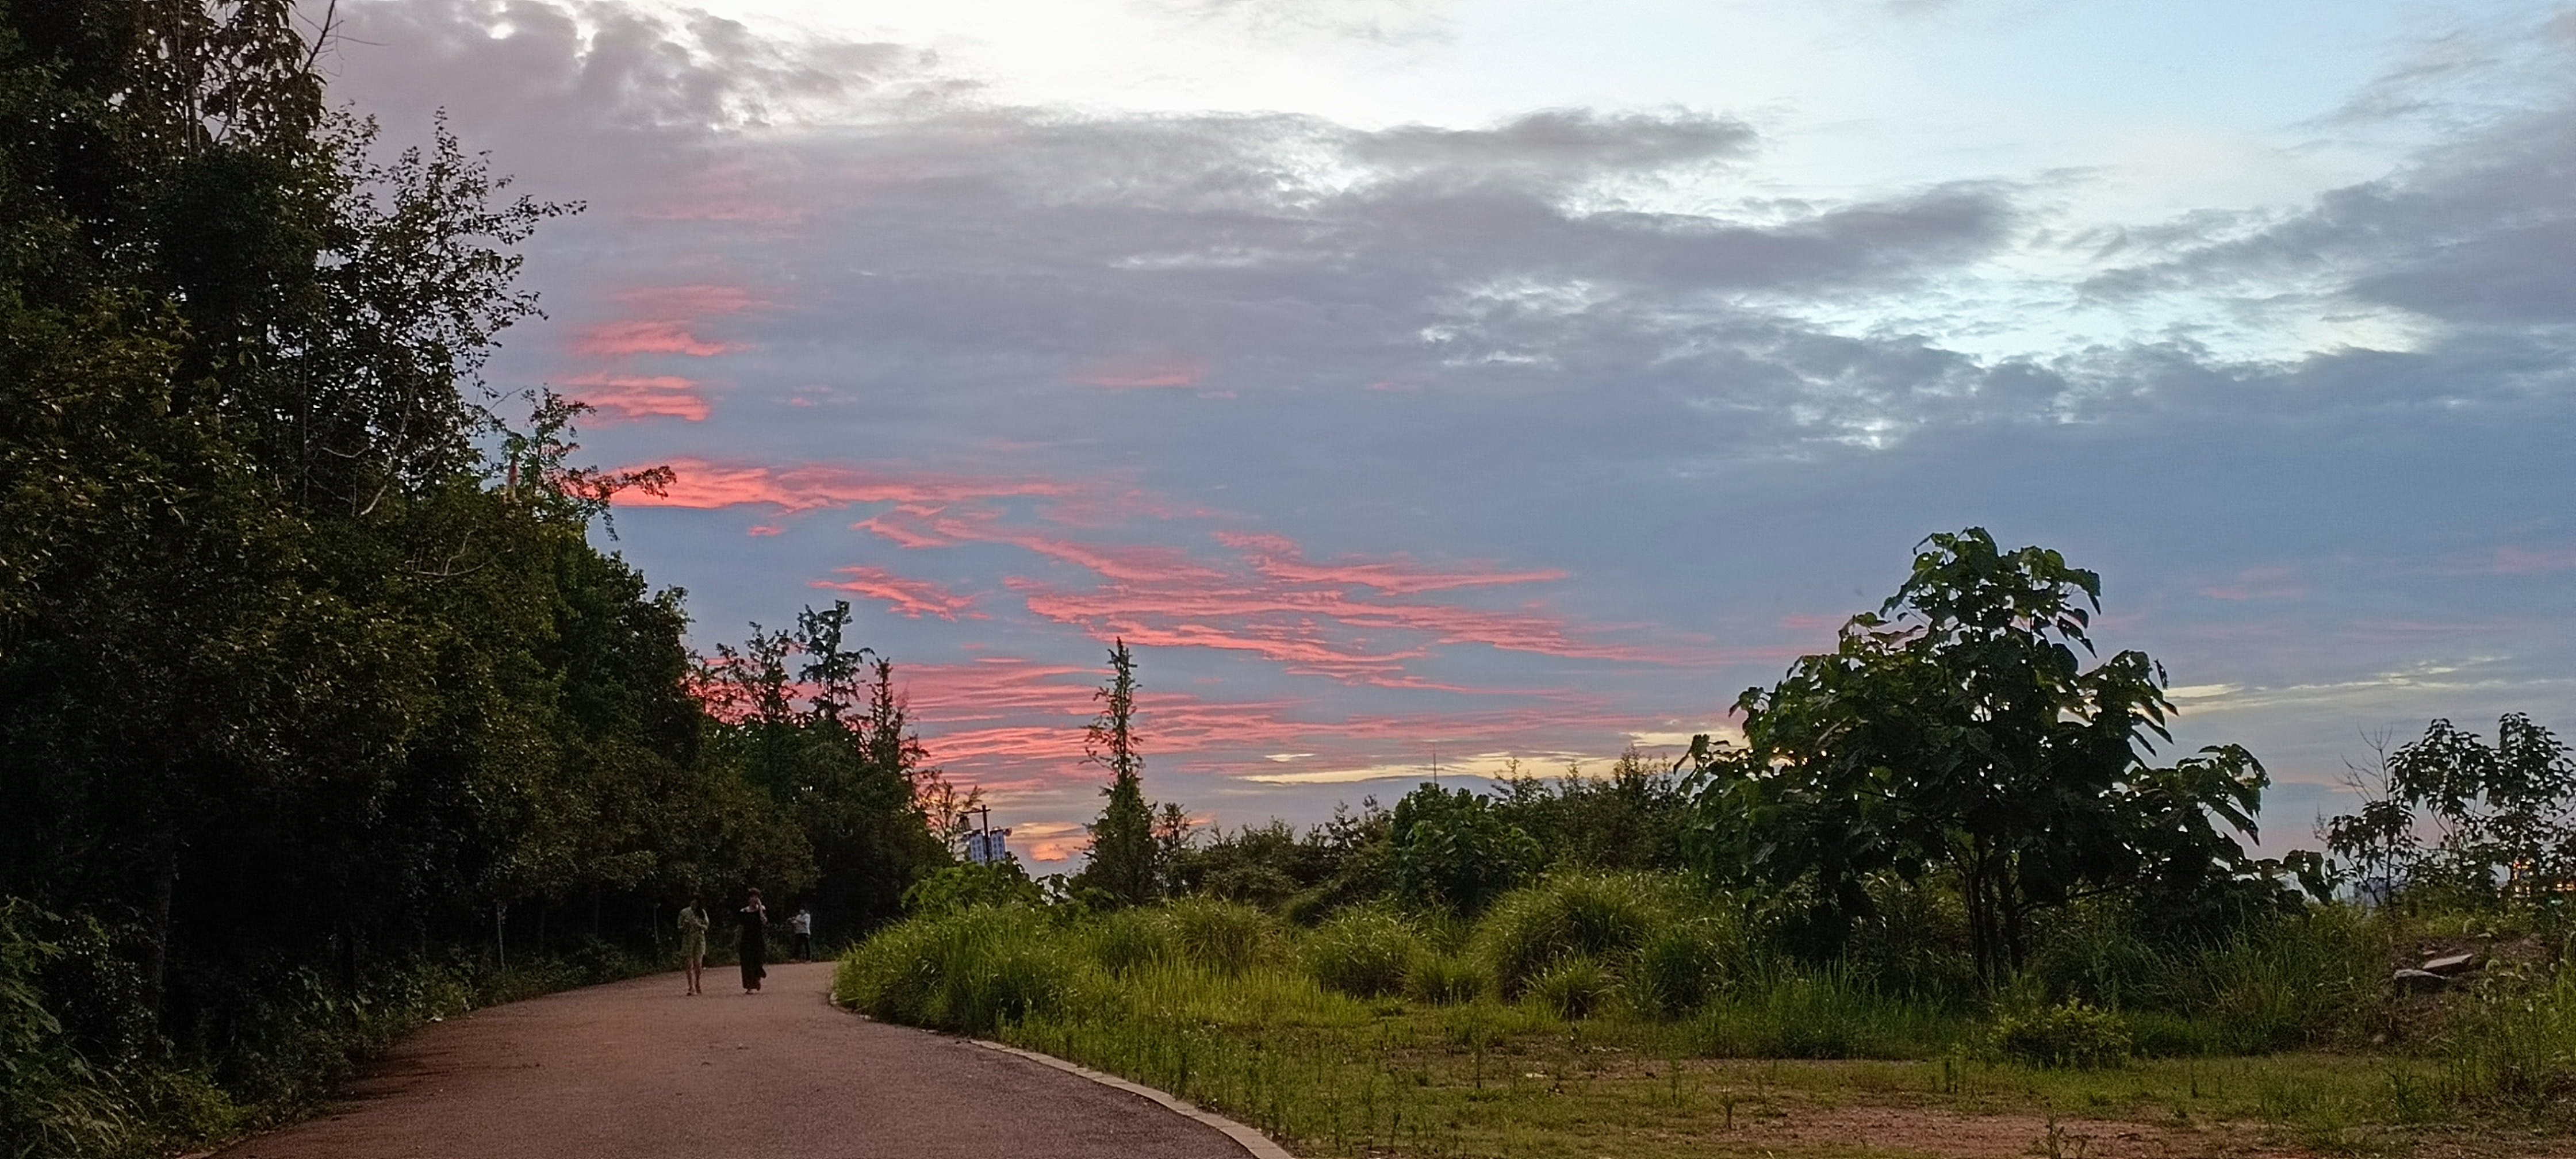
(1601, 917)
(2072, 1033)
(1223, 937)
(1574, 988)
(1365, 953)
(971, 972)
(1444, 980)
(1127, 940)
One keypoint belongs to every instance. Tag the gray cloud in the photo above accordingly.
(1488, 344)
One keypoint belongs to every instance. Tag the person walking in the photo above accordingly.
(693, 941)
(751, 941)
(803, 924)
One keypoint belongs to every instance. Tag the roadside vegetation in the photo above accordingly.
(323, 711)
(1946, 896)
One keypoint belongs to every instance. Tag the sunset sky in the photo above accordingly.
(1522, 379)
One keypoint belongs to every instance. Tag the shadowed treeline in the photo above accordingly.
(320, 710)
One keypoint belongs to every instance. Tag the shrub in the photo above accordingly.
(1676, 969)
(1222, 937)
(1365, 953)
(1605, 918)
(970, 972)
(1125, 940)
(1442, 980)
(2072, 1033)
(1574, 987)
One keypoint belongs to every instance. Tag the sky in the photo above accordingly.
(1479, 381)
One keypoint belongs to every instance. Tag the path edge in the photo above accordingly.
(1259, 1145)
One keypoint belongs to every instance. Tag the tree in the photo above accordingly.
(1455, 851)
(1957, 732)
(2501, 814)
(1123, 854)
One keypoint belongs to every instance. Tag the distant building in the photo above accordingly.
(986, 847)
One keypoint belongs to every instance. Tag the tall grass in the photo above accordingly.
(1365, 953)
(1604, 919)
(1786, 1011)
(971, 972)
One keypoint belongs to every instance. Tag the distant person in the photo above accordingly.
(803, 924)
(693, 942)
(751, 941)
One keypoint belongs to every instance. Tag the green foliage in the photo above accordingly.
(2069, 1034)
(1792, 1011)
(1681, 964)
(1445, 980)
(1957, 732)
(957, 888)
(1573, 987)
(2511, 1042)
(2505, 814)
(972, 972)
(1124, 864)
(1125, 940)
(1633, 819)
(1453, 850)
(1365, 953)
(1605, 918)
(1224, 938)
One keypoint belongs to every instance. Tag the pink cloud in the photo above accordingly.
(707, 485)
(646, 336)
(1278, 557)
(913, 598)
(1153, 375)
(640, 396)
(760, 529)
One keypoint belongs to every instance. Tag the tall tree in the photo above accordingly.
(1957, 732)
(1122, 839)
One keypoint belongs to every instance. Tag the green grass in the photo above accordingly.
(1378, 1035)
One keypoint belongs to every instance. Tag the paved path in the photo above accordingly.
(635, 1070)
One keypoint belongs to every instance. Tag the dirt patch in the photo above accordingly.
(1949, 1135)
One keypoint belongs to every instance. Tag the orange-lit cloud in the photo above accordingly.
(1169, 374)
(1278, 557)
(639, 396)
(706, 485)
(645, 336)
(913, 598)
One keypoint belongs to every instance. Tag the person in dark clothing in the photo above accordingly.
(751, 942)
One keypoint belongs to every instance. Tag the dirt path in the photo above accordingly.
(635, 1070)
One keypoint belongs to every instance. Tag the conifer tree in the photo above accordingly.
(1122, 840)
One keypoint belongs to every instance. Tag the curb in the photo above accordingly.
(1253, 1142)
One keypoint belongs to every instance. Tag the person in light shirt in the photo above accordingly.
(803, 924)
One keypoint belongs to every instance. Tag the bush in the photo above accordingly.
(971, 972)
(1222, 937)
(1442, 980)
(1676, 969)
(958, 888)
(1125, 940)
(1573, 988)
(2072, 1033)
(1605, 918)
(1365, 953)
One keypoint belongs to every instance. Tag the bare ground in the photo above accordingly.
(636, 1070)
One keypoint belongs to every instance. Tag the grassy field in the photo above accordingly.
(1373, 1037)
